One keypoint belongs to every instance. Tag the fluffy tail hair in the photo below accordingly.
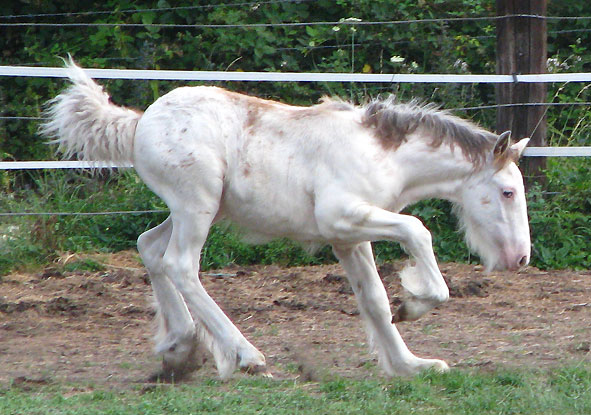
(84, 123)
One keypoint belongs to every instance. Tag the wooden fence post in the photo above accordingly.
(522, 49)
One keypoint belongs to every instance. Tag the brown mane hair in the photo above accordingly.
(393, 123)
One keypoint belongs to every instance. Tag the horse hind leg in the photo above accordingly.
(189, 177)
(176, 335)
(181, 263)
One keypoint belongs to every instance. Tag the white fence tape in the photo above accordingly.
(37, 165)
(557, 152)
(53, 72)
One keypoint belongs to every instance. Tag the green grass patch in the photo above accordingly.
(84, 264)
(28, 242)
(562, 391)
(559, 220)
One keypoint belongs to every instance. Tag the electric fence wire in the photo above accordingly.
(105, 213)
(348, 22)
(156, 9)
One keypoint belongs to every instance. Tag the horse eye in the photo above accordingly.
(508, 194)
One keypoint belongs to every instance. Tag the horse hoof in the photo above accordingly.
(257, 370)
(413, 308)
(402, 314)
(173, 372)
(440, 366)
(167, 376)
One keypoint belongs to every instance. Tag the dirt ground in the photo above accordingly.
(95, 328)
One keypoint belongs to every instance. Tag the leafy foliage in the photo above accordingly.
(560, 216)
(169, 36)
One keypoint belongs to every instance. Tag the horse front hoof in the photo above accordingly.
(258, 370)
(413, 308)
(404, 313)
(440, 366)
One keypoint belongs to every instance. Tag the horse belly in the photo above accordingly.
(268, 209)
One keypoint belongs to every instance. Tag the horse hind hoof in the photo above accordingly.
(172, 372)
(440, 366)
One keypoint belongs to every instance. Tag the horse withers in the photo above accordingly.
(332, 173)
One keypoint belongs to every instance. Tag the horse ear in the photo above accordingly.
(518, 147)
(502, 145)
(505, 152)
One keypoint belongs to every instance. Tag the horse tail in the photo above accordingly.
(84, 122)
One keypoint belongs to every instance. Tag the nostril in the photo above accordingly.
(523, 261)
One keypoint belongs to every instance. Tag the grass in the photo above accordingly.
(561, 391)
(559, 221)
(29, 242)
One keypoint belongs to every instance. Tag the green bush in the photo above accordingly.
(559, 216)
(559, 212)
(39, 239)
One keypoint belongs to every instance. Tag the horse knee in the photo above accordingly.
(181, 271)
(417, 237)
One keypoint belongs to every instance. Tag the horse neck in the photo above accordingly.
(434, 173)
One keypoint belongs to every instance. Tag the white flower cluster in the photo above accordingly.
(554, 65)
(461, 65)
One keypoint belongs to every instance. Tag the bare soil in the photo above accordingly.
(95, 328)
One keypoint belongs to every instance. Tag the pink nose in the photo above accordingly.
(518, 262)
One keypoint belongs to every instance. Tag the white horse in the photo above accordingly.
(332, 173)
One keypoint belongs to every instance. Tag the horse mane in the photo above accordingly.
(335, 104)
(394, 122)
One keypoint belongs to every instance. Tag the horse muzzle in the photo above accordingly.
(514, 260)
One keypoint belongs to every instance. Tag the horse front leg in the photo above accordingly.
(393, 354)
(422, 282)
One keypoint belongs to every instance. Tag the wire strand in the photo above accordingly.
(156, 9)
(117, 212)
(522, 104)
(292, 24)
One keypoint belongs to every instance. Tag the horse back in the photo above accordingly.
(272, 157)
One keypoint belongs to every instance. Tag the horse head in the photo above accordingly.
(493, 208)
